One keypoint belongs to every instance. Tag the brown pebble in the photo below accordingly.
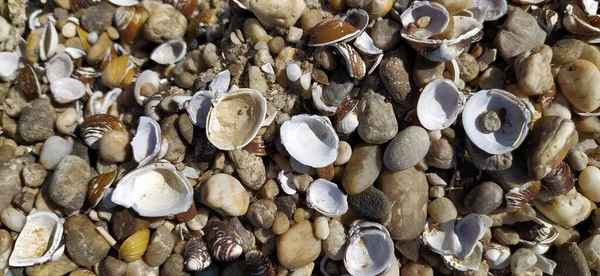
(326, 172)
(276, 44)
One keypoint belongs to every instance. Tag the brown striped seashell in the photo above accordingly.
(517, 197)
(560, 180)
(94, 127)
(259, 264)
(354, 63)
(196, 253)
(29, 82)
(134, 247)
(98, 186)
(109, 56)
(330, 31)
(118, 73)
(129, 22)
(189, 8)
(222, 242)
(83, 4)
(257, 145)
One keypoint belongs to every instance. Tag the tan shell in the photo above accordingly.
(439, 19)
(134, 247)
(129, 22)
(118, 73)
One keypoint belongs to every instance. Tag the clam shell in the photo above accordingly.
(169, 52)
(98, 186)
(286, 181)
(379, 8)
(155, 190)
(94, 127)
(134, 247)
(310, 139)
(440, 237)
(129, 21)
(471, 263)
(34, 21)
(517, 197)
(513, 130)
(39, 241)
(319, 101)
(124, 3)
(196, 255)
(75, 53)
(221, 241)
(48, 42)
(66, 90)
(439, 104)
(326, 198)
(146, 142)
(199, 106)
(347, 117)
(497, 256)
(148, 82)
(354, 63)
(537, 234)
(118, 73)
(259, 264)
(29, 81)
(9, 65)
(470, 229)
(331, 31)
(235, 118)
(359, 18)
(370, 250)
(439, 18)
(487, 10)
(574, 21)
(560, 180)
(58, 67)
(189, 8)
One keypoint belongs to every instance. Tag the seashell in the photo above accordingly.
(29, 82)
(235, 118)
(560, 180)
(83, 4)
(257, 146)
(199, 106)
(420, 10)
(129, 21)
(48, 41)
(94, 127)
(146, 85)
(221, 241)
(319, 101)
(547, 18)
(470, 229)
(134, 247)
(146, 142)
(359, 18)
(497, 256)
(347, 117)
(118, 73)
(34, 20)
(440, 237)
(124, 3)
(293, 72)
(286, 181)
(9, 65)
(439, 104)
(58, 67)
(471, 263)
(196, 254)
(75, 53)
(517, 197)
(379, 8)
(487, 10)
(354, 63)
(370, 54)
(537, 234)
(259, 264)
(155, 190)
(169, 52)
(152, 106)
(515, 118)
(66, 90)
(310, 139)
(39, 241)
(189, 8)
(331, 31)
(575, 22)
(98, 186)
(364, 238)
(326, 198)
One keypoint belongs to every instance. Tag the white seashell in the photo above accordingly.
(293, 72)
(471, 263)
(305, 81)
(155, 190)
(370, 250)
(268, 68)
(487, 58)
(319, 102)
(55, 149)
(169, 52)
(440, 237)
(34, 20)
(66, 90)
(124, 3)
(146, 78)
(146, 142)
(298, 167)
(48, 42)
(39, 241)
(594, 113)
(545, 236)
(9, 65)
(286, 181)
(438, 14)
(235, 118)
(470, 229)
(439, 104)
(326, 198)
(108, 100)
(198, 107)
(58, 67)
(74, 52)
(545, 265)
(497, 256)
(220, 84)
(487, 10)
(310, 139)
(574, 21)
(513, 130)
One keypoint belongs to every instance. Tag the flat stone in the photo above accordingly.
(84, 244)
(407, 149)
(249, 167)
(37, 121)
(160, 247)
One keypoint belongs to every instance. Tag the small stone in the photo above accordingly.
(55, 149)
(322, 227)
(298, 246)
(199, 221)
(484, 198)
(286, 204)
(294, 35)
(468, 66)
(490, 122)
(533, 72)
(160, 247)
(4, 30)
(340, 86)
(371, 203)
(492, 77)
(550, 140)
(112, 33)
(99, 17)
(589, 183)
(84, 245)
(441, 154)
(249, 167)
(225, 194)
(522, 260)
(419, 268)
(570, 261)
(436, 192)
(577, 81)
(302, 181)
(302, 214)
(24, 201)
(34, 175)
(6, 153)
(176, 150)
(261, 213)
(210, 56)
(68, 186)
(310, 19)
(426, 71)
(442, 210)
(113, 267)
(566, 210)
(165, 23)
(588, 127)
(172, 267)
(246, 238)
(255, 31)
(37, 121)
(282, 13)
(578, 160)
(506, 235)
(335, 244)
(256, 80)
(13, 219)
(566, 51)
(394, 74)
(344, 153)
(520, 33)
(269, 190)
(61, 266)
(386, 34)
(124, 223)
(488, 162)
(326, 58)
(281, 223)
(377, 121)
(276, 44)
(362, 169)
(408, 148)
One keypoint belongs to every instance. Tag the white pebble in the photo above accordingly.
(293, 72)
(344, 153)
(294, 34)
(69, 30)
(13, 219)
(589, 183)
(92, 38)
(199, 221)
(55, 149)
(322, 228)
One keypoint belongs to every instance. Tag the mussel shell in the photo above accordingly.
(97, 186)
(517, 197)
(29, 82)
(560, 180)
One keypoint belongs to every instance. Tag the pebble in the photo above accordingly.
(125, 223)
(261, 213)
(210, 56)
(425, 71)
(577, 81)
(270, 190)
(176, 150)
(302, 214)
(409, 189)
(577, 160)
(419, 268)
(112, 266)
(326, 173)
(484, 198)
(506, 235)
(281, 223)
(488, 162)
(24, 201)
(55, 149)
(186, 128)
(551, 139)
(442, 210)
(68, 185)
(589, 183)
(298, 246)
(6, 153)
(326, 58)
(340, 86)
(590, 248)
(310, 19)
(34, 175)
(566, 51)
(386, 34)
(249, 167)
(334, 246)
(282, 13)
(533, 70)
(99, 17)
(468, 66)
(255, 31)
(362, 169)
(69, 30)
(394, 74)
(160, 247)
(492, 77)
(4, 30)
(83, 243)
(570, 261)
(344, 153)
(276, 44)
(520, 33)
(588, 127)
(256, 80)
(522, 259)
(322, 227)
(566, 210)
(37, 121)
(61, 266)
(140, 267)
(302, 182)
(164, 24)
(13, 219)
(286, 204)
(199, 221)
(372, 203)
(377, 121)
(294, 34)
(225, 194)
(441, 154)
(406, 150)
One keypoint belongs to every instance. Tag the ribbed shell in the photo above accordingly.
(134, 247)
(259, 264)
(560, 180)
(517, 197)
(196, 254)
(95, 126)
(82, 4)
(221, 241)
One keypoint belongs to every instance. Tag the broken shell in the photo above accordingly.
(370, 250)
(325, 197)
(537, 234)
(146, 85)
(487, 10)
(9, 65)
(286, 181)
(75, 53)
(359, 18)
(440, 237)
(187, 7)
(196, 254)
(379, 8)
(515, 116)
(221, 241)
(98, 186)
(319, 101)
(259, 264)
(439, 104)
(134, 247)
(169, 52)
(118, 73)
(60, 66)
(470, 229)
(370, 54)
(497, 256)
(347, 117)
(235, 118)
(94, 127)
(129, 22)
(124, 3)
(152, 106)
(66, 90)
(577, 22)
(48, 42)
(438, 15)
(146, 142)
(471, 263)
(354, 63)
(331, 31)
(517, 197)
(83, 4)
(310, 139)
(39, 241)
(199, 106)
(155, 190)
(560, 180)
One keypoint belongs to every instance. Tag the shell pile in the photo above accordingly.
(297, 137)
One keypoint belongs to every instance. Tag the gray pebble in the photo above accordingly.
(520, 32)
(113, 267)
(377, 121)
(386, 34)
(37, 121)
(441, 154)
(261, 213)
(442, 210)
(99, 17)
(393, 71)
(484, 198)
(84, 244)
(173, 266)
(160, 247)
(425, 71)
(372, 203)
(490, 122)
(406, 150)
(340, 85)
(468, 66)
(488, 162)
(578, 160)
(69, 184)
(34, 175)
(506, 235)
(570, 261)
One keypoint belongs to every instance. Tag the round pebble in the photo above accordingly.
(522, 259)
(164, 24)
(281, 223)
(589, 183)
(69, 30)
(442, 210)
(578, 160)
(261, 213)
(226, 195)
(298, 246)
(371, 203)
(490, 122)
(406, 150)
(13, 219)
(34, 175)
(344, 154)
(321, 227)
(484, 198)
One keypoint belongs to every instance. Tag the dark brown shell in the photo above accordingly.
(221, 241)
(97, 186)
(517, 197)
(259, 264)
(30, 84)
(536, 232)
(196, 254)
(189, 8)
(560, 180)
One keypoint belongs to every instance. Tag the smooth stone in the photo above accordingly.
(578, 82)
(174, 266)
(386, 34)
(409, 189)
(468, 66)
(570, 261)
(362, 169)
(442, 210)
(590, 248)
(334, 246)
(199, 221)
(488, 162)
(96, 19)
(521, 260)
(10, 185)
(533, 70)
(281, 223)
(7, 153)
(286, 204)
(61, 266)
(377, 121)
(393, 71)
(164, 24)
(371, 203)
(83, 243)
(407, 149)
(520, 32)
(492, 77)
(24, 201)
(589, 183)
(344, 153)
(124, 223)
(310, 19)
(261, 213)
(484, 198)
(298, 246)
(5, 28)
(419, 268)
(326, 58)
(13, 219)
(567, 50)
(565, 210)
(249, 167)
(340, 86)
(210, 55)
(425, 71)
(112, 266)
(160, 247)
(37, 121)
(69, 183)
(587, 127)
(256, 80)
(140, 267)
(506, 235)
(282, 13)
(186, 128)
(225, 194)
(176, 150)
(115, 147)
(441, 154)
(55, 149)
(550, 140)
(578, 160)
